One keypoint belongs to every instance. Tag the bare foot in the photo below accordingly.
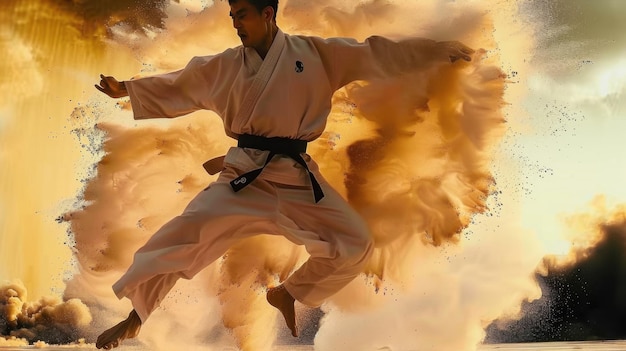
(280, 298)
(126, 329)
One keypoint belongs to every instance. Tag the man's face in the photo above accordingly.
(252, 26)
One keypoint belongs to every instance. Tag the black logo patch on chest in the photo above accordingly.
(299, 66)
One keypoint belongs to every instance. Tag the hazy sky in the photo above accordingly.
(576, 108)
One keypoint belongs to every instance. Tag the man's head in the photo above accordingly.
(260, 5)
(255, 21)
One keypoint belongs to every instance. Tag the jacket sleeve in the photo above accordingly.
(347, 60)
(181, 92)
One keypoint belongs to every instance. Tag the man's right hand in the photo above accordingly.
(112, 87)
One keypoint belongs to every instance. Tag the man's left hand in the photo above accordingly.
(456, 50)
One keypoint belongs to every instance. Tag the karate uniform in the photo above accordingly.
(287, 94)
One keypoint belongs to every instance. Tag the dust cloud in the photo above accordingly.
(414, 154)
(49, 318)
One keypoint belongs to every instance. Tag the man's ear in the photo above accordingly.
(268, 13)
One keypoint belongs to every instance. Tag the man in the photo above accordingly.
(274, 95)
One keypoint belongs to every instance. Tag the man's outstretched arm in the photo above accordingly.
(112, 87)
(348, 60)
(197, 86)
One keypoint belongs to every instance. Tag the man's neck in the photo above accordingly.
(262, 51)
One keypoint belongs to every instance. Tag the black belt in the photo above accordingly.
(283, 146)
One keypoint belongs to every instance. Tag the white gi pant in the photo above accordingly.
(335, 236)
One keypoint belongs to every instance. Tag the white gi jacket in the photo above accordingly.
(288, 94)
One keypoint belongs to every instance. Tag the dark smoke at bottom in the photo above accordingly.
(48, 320)
(581, 302)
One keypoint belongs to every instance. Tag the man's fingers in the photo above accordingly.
(465, 49)
(100, 88)
(104, 90)
(105, 86)
(465, 52)
(457, 50)
(106, 81)
(454, 58)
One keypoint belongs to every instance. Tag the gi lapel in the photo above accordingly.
(260, 80)
(259, 83)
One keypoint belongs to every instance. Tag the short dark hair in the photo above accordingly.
(261, 4)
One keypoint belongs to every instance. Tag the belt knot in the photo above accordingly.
(276, 146)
